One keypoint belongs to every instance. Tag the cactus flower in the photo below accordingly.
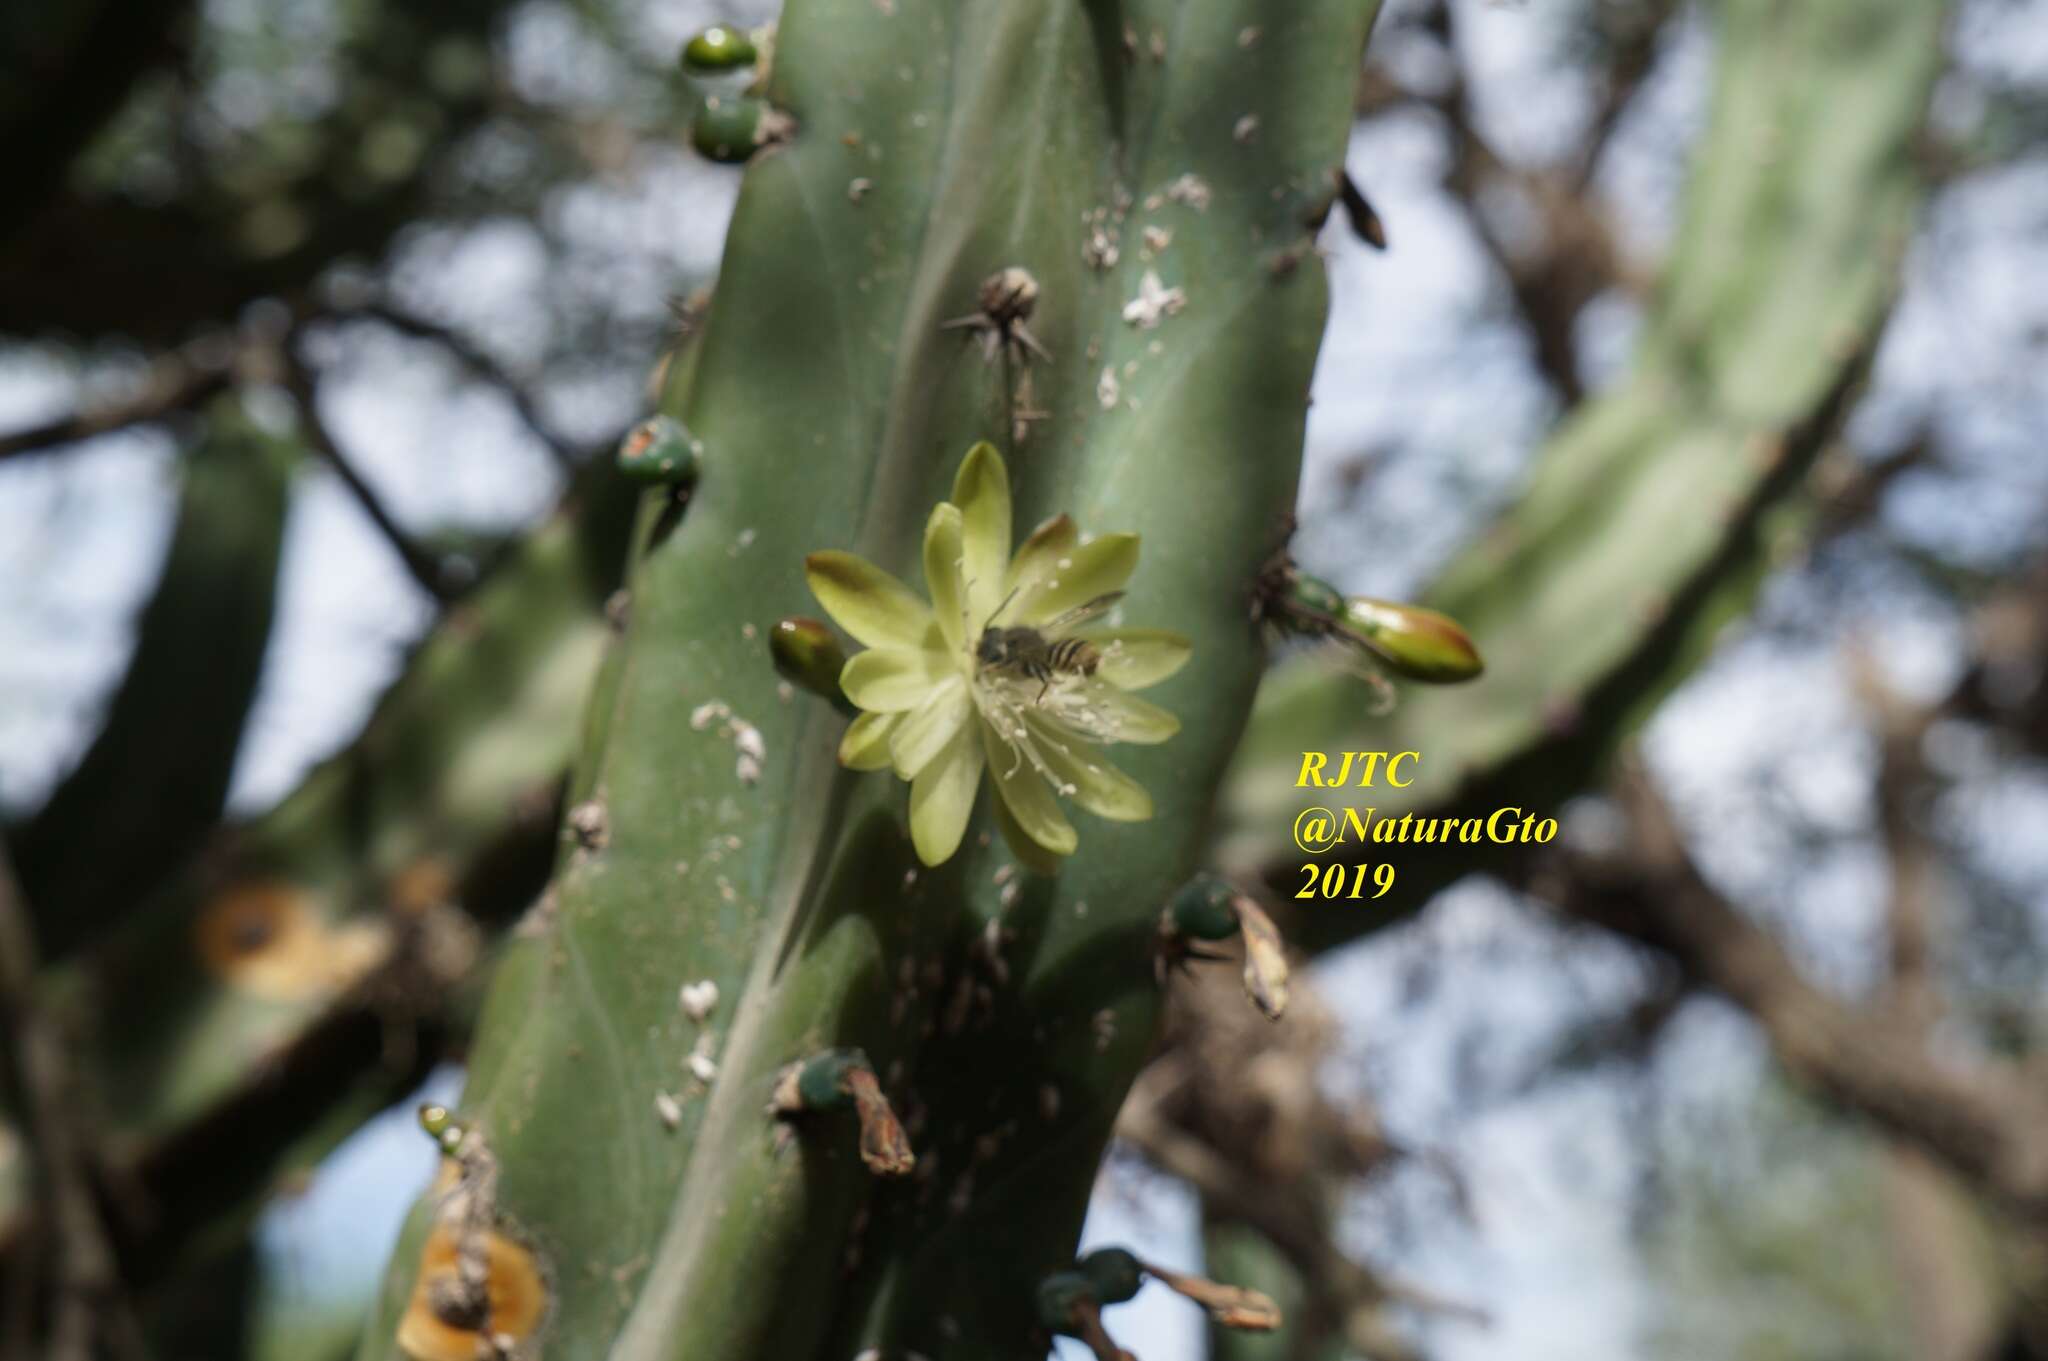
(937, 709)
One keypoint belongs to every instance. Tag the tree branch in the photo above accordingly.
(424, 567)
(472, 357)
(1984, 1123)
(89, 1303)
(175, 384)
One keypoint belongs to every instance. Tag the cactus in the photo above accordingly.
(156, 778)
(248, 1000)
(1078, 232)
(1658, 507)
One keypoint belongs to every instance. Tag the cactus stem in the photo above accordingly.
(478, 1293)
(828, 1081)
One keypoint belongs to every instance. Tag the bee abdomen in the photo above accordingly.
(1075, 654)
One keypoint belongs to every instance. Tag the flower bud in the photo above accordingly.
(1419, 644)
(807, 653)
(720, 47)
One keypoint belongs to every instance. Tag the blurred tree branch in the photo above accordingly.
(87, 1303)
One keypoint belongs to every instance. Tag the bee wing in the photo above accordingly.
(1081, 614)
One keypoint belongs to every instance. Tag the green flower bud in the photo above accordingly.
(1419, 644)
(436, 1120)
(658, 451)
(439, 1122)
(1114, 1274)
(730, 128)
(720, 47)
(1202, 910)
(1057, 1296)
(807, 653)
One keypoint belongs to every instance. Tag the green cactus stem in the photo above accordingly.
(942, 142)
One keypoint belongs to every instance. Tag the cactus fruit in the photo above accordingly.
(1003, 992)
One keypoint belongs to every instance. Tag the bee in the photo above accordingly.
(1035, 655)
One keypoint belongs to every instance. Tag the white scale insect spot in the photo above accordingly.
(1190, 189)
(1245, 129)
(704, 715)
(857, 189)
(1049, 1101)
(699, 999)
(1107, 389)
(741, 542)
(1104, 1024)
(668, 1109)
(700, 1063)
(1154, 302)
(1012, 892)
(1157, 239)
(747, 741)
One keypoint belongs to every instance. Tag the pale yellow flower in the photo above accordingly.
(940, 717)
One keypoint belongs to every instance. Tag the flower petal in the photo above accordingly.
(982, 491)
(1096, 568)
(925, 731)
(1029, 799)
(1038, 558)
(1135, 658)
(942, 798)
(942, 573)
(1029, 853)
(1092, 782)
(1126, 718)
(866, 743)
(866, 601)
(890, 679)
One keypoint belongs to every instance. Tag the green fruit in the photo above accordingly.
(1057, 1296)
(728, 127)
(658, 451)
(821, 1083)
(1201, 910)
(1114, 1274)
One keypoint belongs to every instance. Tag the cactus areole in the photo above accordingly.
(1003, 265)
